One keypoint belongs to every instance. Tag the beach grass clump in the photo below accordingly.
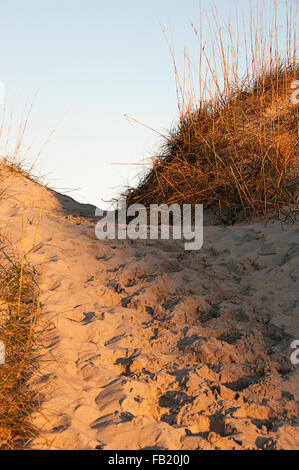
(19, 308)
(236, 152)
(19, 300)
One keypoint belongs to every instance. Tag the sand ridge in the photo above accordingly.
(155, 347)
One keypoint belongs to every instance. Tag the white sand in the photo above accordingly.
(155, 347)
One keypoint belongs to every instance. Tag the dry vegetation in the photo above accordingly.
(19, 312)
(236, 152)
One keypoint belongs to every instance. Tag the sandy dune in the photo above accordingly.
(154, 347)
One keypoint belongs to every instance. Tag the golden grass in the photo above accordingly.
(19, 310)
(237, 151)
(19, 313)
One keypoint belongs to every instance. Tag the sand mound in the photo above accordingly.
(155, 347)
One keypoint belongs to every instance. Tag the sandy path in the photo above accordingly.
(155, 347)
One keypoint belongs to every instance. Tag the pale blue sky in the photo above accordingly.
(93, 61)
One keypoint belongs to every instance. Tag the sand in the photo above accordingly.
(153, 347)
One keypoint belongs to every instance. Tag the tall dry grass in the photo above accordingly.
(235, 147)
(19, 310)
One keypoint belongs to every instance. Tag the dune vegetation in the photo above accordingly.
(234, 149)
(19, 312)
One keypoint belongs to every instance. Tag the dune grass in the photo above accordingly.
(236, 149)
(19, 310)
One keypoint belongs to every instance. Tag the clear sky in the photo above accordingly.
(91, 62)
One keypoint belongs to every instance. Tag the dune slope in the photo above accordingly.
(151, 346)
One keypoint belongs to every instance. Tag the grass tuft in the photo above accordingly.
(237, 152)
(19, 308)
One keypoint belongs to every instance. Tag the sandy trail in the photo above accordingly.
(155, 347)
